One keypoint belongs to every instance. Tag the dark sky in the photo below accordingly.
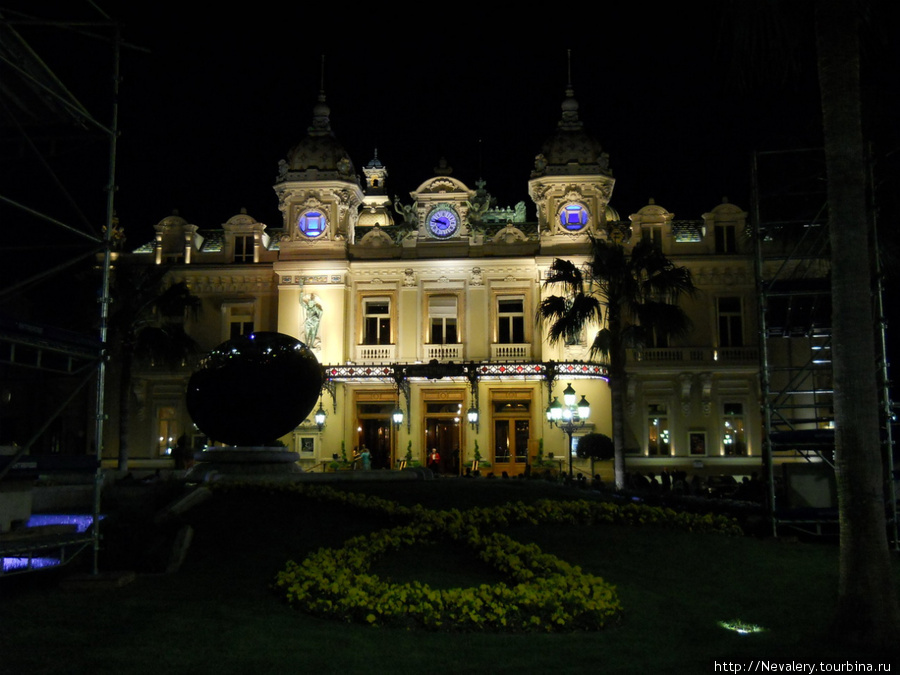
(213, 99)
(679, 95)
(213, 106)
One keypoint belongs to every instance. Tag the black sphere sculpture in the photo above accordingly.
(253, 389)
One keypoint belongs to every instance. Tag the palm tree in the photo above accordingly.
(634, 300)
(867, 610)
(147, 329)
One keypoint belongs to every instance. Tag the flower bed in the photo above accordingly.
(544, 593)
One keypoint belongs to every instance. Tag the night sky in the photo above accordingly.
(678, 95)
(210, 111)
(210, 104)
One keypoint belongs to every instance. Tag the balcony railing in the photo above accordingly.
(510, 352)
(376, 353)
(718, 355)
(444, 352)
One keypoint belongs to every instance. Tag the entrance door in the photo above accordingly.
(511, 445)
(376, 436)
(375, 431)
(442, 434)
(512, 431)
(443, 430)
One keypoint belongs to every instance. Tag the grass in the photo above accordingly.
(218, 615)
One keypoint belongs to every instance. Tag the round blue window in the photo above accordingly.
(573, 217)
(312, 223)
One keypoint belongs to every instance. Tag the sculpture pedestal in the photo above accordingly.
(244, 463)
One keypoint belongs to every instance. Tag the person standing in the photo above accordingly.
(434, 461)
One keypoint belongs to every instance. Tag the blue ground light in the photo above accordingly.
(18, 563)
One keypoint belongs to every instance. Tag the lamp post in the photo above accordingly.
(568, 415)
(472, 412)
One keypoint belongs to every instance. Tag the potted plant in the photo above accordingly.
(340, 464)
(477, 462)
(410, 462)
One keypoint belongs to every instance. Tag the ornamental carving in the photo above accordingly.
(376, 238)
(685, 381)
(509, 235)
(706, 382)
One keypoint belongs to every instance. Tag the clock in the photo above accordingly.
(443, 222)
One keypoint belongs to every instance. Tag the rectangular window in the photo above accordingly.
(243, 248)
(725, 239)
(239, 320)
(731, 328)
(442, 320)
(734, 440)
(653, 234)
(657, 430)
(511, 320)
(376, 321)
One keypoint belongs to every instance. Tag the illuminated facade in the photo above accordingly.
(428, 307)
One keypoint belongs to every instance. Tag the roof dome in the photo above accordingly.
(369, 216)
(570, 149)
(241, 219)
(171, 221)
(318, 156)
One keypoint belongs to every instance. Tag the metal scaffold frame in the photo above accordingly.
(790, 229)
(23, 343)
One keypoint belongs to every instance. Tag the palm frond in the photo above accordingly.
(602, 343)
(566, 273)
(664, 319)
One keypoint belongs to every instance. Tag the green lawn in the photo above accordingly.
(218, 614)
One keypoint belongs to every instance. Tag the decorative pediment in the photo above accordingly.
(376, 238)
(509, 235)
(172, 222)
(441, 185)
(243, 223)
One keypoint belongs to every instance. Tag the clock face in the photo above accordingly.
(443, 222)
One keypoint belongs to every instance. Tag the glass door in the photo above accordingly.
(511, 445)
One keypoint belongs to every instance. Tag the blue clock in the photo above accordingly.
(443, 222)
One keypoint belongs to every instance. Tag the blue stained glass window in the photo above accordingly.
(573, 217)
(312, 223)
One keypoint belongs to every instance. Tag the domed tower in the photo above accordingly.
(571, 183)
(318, 193)
(376, 208)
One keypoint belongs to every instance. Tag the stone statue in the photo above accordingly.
(519, 216)
(313, 310)
(409, 212)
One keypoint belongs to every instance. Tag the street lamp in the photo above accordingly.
(472, 415)
(568, 415)
(320, 416)
(397, 416)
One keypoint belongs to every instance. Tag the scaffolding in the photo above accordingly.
(793, 279)
(53, 145)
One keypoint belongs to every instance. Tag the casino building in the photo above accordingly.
(424, 308)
